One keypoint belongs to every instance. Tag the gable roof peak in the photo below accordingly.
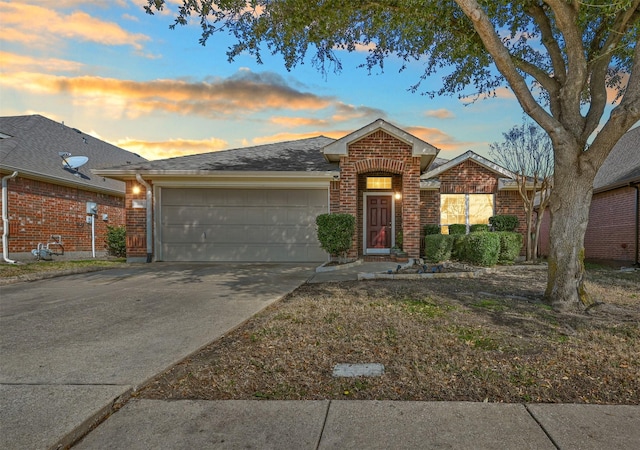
(420, 148)
(473, 156)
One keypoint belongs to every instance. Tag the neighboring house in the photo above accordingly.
(612, 232)
(260, 203)
(47, 201)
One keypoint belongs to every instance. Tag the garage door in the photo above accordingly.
(241, 224)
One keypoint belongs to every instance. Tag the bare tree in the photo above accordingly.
(528, 153)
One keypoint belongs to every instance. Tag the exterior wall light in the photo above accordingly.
(136, 189)
(398, 195)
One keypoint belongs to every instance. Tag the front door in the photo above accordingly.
(379, 226)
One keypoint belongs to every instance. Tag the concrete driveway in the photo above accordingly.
(71, 346)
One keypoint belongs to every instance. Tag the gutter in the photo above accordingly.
(149, 216)
(5, 218)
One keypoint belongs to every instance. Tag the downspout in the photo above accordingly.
(5, 218)
(149, 216)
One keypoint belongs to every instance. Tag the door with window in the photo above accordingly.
(379, 226)
(468, 209)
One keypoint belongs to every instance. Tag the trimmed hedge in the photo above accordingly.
(335, 232)
(478, 227)
(437, 247)
(482, 249)
(458, 228)
(503, 223)
(431, 229)
(510, 246)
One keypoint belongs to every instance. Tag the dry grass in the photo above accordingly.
(463, 339)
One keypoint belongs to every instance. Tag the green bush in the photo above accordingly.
(503, 223)
(482, 249)
(437, 247)
(478, 227)
(458, 228)
(335, 232)
(457, 249)
(510, 246)
(431, 229)
(116, 241)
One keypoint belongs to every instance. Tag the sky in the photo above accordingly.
(111, 70)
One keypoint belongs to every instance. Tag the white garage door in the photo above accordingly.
(241, 224)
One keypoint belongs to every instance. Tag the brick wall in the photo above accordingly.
(510, 203)
(468, 177)
(380, 152)
(136, 220)
(611, 233)
(38, 210)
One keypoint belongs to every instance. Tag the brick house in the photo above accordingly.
(260, 203)
(614, 216)
(47, 200)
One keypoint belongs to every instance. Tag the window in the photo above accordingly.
(378, 182)
(469, 209)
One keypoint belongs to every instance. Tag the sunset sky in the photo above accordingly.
(112, 71)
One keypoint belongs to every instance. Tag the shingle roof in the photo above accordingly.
(622, 166)
(304, 155)
(31, 146)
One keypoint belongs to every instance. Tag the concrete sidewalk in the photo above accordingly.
(190, 424)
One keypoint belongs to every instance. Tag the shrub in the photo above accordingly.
(510, 245)
(116, 241)
(482, 249)
(478, 227)
(503, 223)
(335, 232)
(431, 229)
(437, 247)
(457, 249)
(458, 228)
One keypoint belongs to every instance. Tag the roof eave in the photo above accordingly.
(130, 174)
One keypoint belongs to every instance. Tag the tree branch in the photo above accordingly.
(549, 41)
(506, 65)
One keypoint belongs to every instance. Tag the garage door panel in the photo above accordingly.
(241, 225)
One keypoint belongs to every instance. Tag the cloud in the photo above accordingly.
(12, 62)
(41, 26)
(437, 138)
(242, 93)
(295, 122)
(171, 148)
(350, 112)
(440, 113)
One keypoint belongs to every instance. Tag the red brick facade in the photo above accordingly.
(136, 220)
(38, 210)
(611, 233)
(381, 154)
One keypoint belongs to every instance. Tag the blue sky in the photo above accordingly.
(110, 70)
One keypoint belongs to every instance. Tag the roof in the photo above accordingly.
(435, 171)
(303, 155)
(622, 166)
(31, 145)
(420, 148)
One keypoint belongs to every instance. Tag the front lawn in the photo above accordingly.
(484, 339)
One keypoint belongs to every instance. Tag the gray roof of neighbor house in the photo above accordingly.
(31, 145)
(622, 166)
(304, 155)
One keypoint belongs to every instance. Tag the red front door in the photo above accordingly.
(378, 221)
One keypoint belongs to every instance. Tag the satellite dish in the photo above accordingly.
(73, 162)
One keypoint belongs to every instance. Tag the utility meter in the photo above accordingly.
(92, 208)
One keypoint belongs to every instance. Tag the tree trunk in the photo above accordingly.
(569, 212)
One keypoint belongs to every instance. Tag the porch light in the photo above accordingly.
(398, 195)
(136, 189)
